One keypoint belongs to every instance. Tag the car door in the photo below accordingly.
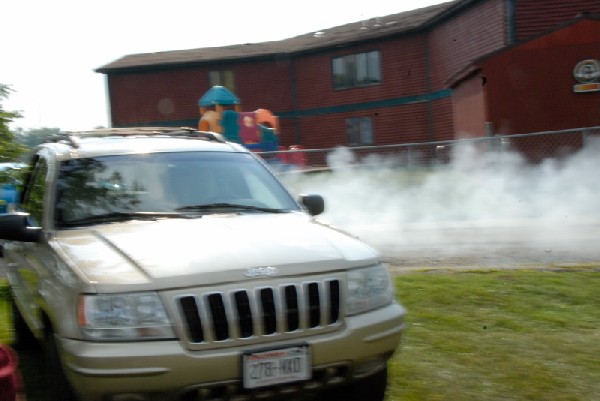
(25, 260)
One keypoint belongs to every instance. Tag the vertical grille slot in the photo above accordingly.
(314, 305)
(219, 316)
(194, 323)
(334, 301)
(242, 304)
(288, 309)
(268, 309)
(292, 313)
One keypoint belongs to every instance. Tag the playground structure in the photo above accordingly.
(8, 198)
(220, 111)
(11, 382)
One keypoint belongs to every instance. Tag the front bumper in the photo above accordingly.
(164, 370)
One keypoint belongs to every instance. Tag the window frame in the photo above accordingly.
(224, 78)
(359, 131)
(356, 70)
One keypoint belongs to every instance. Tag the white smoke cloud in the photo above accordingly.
(477, 201)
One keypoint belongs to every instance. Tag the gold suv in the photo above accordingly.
(168, 264)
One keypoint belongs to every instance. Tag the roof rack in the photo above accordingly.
(74, 137)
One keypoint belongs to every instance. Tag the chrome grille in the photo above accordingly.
(260, 311)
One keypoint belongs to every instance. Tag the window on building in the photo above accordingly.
(356, 70)
(359, 131)
(222, 78)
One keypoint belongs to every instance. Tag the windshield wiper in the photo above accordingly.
(122, 216)
(224, 205)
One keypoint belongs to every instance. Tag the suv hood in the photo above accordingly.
(208, 249)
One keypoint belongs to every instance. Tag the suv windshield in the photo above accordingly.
(180, 182)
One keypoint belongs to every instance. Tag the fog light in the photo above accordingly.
(369, 365)
(334, 375)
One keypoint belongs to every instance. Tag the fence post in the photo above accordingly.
(489, 128)
(584, 137)
(410, 169)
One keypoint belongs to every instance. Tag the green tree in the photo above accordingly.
(33, 137)
(10, 149)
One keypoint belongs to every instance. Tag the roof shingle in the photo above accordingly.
(374, 28)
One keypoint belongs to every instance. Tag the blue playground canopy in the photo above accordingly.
(218, 95)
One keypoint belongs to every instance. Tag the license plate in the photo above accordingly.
(276, 366)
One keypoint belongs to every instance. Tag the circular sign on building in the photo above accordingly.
(587, 73)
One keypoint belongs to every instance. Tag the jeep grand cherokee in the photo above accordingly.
(168, 264)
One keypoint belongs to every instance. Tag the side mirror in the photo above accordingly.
(315, 204)
(15, 227)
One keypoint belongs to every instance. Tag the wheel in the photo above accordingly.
(23, 338)
(371, 388)
(58, 386)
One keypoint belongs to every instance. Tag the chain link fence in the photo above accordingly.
(533, 148)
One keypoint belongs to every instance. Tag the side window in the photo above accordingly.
(359, 131)
(222, 78)
(34, 197)
(356, 70)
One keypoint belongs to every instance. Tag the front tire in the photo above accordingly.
(23, 338)
(58, 386)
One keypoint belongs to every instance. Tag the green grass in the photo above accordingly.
(502, 335)
(495, 335)
(5, 322)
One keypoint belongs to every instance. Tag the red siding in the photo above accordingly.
(265, 84)
(442, 120)
(403, 75)
(152, 97)
(532, 19)
(530, 88)
(403, 66)
(469, 108)
(322, 132)
(140, 98)
(472, 33)
(403, 124)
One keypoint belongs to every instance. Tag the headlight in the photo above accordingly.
(124, 317)
(369, 288)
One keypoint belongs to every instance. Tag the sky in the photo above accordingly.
(51, 48)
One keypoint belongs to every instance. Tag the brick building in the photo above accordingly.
(460, 68)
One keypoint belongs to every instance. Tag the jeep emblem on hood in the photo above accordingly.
(261, 271)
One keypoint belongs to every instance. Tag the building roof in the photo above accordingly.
(375, 28)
